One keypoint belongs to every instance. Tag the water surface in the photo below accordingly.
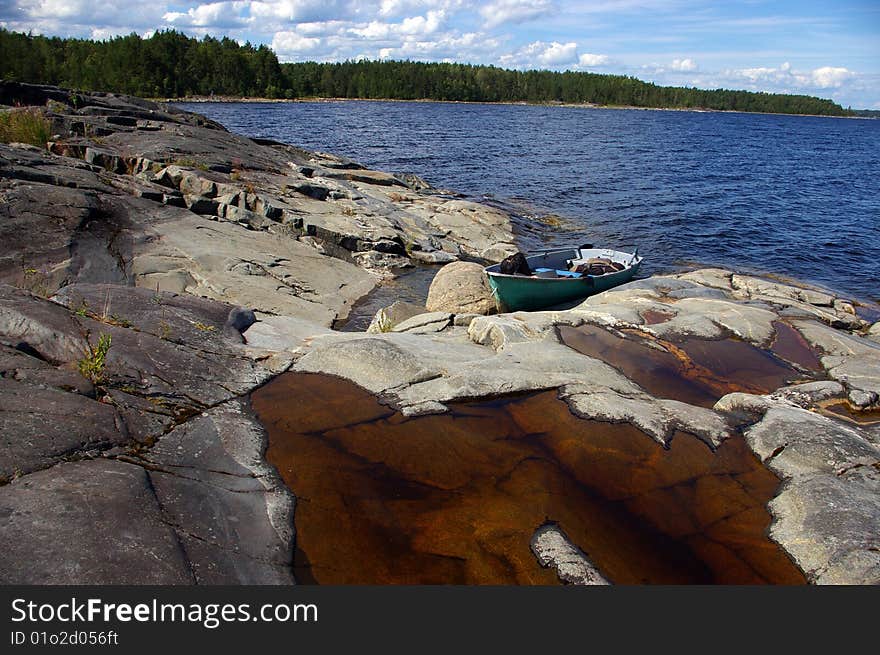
(796, 196)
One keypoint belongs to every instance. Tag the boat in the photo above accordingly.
(560, 276)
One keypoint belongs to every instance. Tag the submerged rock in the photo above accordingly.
(553, 548)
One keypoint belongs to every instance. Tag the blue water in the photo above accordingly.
(796, 196)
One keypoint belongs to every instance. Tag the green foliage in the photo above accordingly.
(204, 328)
(91, 367)
(168, 64)
(36, 281)
(406, 80)
(28, 125)
(171, 64)
(189, 162)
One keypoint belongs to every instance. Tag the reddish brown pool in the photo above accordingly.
(455, 498)
(696, 371)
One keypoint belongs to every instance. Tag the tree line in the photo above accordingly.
(170, 64)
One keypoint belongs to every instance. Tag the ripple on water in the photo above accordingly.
(776, 187)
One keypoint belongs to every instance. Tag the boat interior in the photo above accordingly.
(576, 263)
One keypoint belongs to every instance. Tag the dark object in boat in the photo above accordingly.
(515, 264)
(598, 266)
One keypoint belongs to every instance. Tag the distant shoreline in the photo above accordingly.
(585, 105)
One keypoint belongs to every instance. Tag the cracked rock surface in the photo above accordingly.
(718, 330)
(207, 263)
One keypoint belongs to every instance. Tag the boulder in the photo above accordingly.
(461, 288)
(388, 317)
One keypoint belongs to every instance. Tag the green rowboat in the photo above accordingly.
(553, 282)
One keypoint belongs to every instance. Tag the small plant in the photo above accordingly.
(396, 197)
(56, 107)
(189, 162)
(118, 320)
(237, 168)
(91, 367)
(381, 323)
(164, 330)
(204, 328)
(83, 309)
(348, 211)
(25, 125)
(36, 281)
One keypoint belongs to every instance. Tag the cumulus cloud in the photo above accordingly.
(683, 65)
(559, 54)
(830, 77)
(294, 11)
(289, 45)
(214, 14)
(499, 12)
(80, 17)
(786, 78)
(553, 55)
(588, 60)
(409, 27)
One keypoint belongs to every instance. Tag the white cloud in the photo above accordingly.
(499, 12)
(829, 77)
(207, 15)
(559, 54)
(683, 65)
(408, 28)
(427, 24)
(542, 55)
(81, 17)
(785, 78)
(290, 44)
(588, 60)
(295, 11)
(321, 28)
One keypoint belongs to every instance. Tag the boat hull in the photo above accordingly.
(523, 293)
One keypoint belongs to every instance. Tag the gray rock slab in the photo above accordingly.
(852, 360)
(282, 333)
(794, 441)
(269, 273)
(40, 426)
(424, 323)
(90, 522)
(221, 497)
(830, 525)
(173, 317)
(41, 327)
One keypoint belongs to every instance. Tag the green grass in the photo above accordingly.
(28, 125)
(91, 367)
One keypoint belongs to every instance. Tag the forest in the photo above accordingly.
(170, 64)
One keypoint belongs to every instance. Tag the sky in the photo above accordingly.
(826, 49)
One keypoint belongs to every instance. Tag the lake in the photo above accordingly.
(795, 196)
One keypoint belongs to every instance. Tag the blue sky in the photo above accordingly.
(828, 49)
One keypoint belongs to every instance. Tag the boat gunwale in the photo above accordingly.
(634, 263)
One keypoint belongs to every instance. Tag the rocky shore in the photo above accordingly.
(157, 270)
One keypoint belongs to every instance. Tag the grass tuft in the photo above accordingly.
(91, 367)
(25, 125)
